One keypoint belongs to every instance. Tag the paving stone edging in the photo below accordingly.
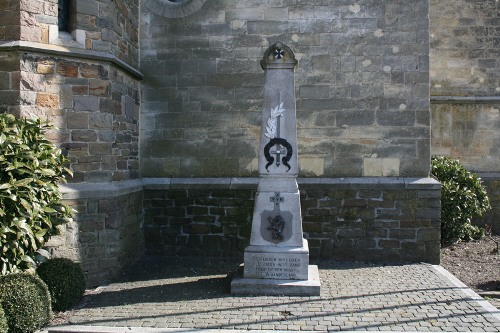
(468, 291)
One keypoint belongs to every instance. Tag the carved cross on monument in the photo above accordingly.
(279, 150)
(279, 53)
(276, 199)
(277, 222)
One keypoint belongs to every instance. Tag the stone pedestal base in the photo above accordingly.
(249, 286)
(277, 262)
(277, 270)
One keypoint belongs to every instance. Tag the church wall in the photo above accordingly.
(346, 219)
(464, 37)
(9, 82)
(465, 90)
(94, 107)
(363, 124)
(10, 22)
(90, 93)
(362, 110)
(38, 19)
(86, 83)
(109, 26)
(361, 87)
(106, 234)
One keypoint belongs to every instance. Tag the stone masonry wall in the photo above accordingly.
(109, 26)
(372, 219)
(94, 106)
(362, 87)
(99, 25)
(197, 222)
(38, 19)
(468, 132)
(465, 46)
(10, 22)
(91, 95)
(106, 234)
(465, 89)
(9, 82)
(87, 85)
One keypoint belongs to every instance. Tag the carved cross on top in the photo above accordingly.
(279, 53)
(276, 199)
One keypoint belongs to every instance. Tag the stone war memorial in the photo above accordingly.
(181, 145)
(277, 259)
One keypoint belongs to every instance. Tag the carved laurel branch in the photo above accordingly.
(272, 126)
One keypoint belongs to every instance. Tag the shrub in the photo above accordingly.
(65, 280)
(4, 327)
(26, 302)
(462, 197)
(30, 202)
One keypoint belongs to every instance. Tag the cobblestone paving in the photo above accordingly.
(194, 293)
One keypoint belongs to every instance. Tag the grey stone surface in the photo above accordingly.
(176, 294)
(89, 7)
(362, 86)
(99, 190)
(354, 218)
(464, 77)
(450, 62)
(276, 262)
(277, 250)
(309, 286)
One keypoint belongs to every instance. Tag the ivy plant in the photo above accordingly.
(31, 207)
(463, 197)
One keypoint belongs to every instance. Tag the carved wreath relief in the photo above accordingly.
(282, 147)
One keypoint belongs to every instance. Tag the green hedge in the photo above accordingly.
(4, 327)
(31, 168)
(26, 302)
(66, 282)
(462, 197)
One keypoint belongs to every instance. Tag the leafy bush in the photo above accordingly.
(65, 280)
(26, 302)
(4, 327)
(462, 197)
(30, 202)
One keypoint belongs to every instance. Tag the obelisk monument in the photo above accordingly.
(277, 260)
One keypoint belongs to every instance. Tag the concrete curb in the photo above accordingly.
(491, 294)
(467, 291)
(103, 329)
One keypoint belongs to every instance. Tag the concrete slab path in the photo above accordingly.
(192, 295)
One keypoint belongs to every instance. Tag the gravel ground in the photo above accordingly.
(475, 263)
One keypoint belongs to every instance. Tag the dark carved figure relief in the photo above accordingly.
(277, 221)
(277, 226)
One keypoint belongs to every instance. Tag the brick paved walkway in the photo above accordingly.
(174, 293)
